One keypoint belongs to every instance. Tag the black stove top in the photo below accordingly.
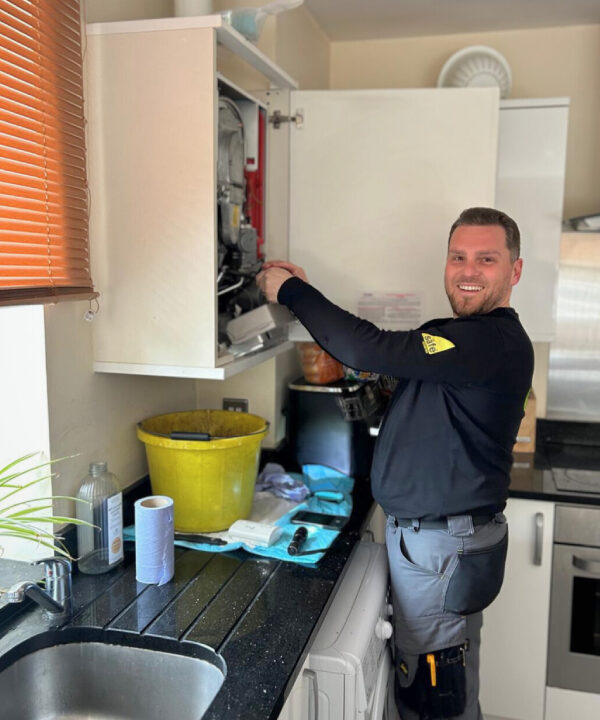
(572, 467)
(575, 480)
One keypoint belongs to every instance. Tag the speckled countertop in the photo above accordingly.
(258, 614)
(573, 445)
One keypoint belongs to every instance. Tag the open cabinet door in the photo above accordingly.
(376, 179)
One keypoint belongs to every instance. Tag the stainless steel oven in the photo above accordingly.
(574, 643)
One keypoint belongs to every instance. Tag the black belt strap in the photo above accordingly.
(440, 524)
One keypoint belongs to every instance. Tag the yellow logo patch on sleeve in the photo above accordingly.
(434, 344)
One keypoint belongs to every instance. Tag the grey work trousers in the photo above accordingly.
(441, 580)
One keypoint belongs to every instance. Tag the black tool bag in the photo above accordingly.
(439, 687)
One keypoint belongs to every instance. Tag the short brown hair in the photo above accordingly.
(490, 216)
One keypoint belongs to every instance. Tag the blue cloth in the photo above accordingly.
(317, 478)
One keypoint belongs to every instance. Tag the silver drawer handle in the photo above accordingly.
(539, 538)
(591, 566)
(312, 677)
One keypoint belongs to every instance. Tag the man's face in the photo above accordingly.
(479, 272)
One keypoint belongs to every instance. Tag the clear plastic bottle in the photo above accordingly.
(100, 548)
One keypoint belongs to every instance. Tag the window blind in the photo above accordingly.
(44, 249)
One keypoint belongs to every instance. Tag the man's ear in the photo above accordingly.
(516, 271)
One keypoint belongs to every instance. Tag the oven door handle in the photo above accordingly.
(539, 538)
(591, 566)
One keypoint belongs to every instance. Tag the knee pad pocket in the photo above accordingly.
(439, 688)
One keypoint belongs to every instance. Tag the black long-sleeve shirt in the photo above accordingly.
(445, 443)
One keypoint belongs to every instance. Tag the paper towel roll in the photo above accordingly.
(154, 541)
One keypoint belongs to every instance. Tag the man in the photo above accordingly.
(442, 461)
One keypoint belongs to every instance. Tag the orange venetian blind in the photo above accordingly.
(44, 253)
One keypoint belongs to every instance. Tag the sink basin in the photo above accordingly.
(102, 681)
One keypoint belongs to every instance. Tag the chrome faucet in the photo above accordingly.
(56, 598)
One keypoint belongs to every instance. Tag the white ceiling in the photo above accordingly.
(372, 19)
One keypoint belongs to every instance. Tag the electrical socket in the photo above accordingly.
(235, 404)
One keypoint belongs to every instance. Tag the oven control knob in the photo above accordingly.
(389, 610)
(383, 629)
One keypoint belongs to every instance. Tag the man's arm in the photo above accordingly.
(465, 351)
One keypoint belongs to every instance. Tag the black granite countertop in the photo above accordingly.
(258, 614)
(559, 445)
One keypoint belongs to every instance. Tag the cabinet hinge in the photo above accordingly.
(277, 118)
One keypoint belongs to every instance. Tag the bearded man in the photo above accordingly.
(442, 461)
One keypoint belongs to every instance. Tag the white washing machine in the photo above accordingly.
(348, 673)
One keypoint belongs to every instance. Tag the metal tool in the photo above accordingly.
(298, 540)
(196, 538)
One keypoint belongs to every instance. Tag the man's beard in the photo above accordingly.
(464, 306)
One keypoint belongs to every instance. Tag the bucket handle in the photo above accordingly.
(183, 435)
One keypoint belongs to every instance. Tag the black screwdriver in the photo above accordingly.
(297, 540)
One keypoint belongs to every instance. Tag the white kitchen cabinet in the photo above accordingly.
(152, 106)
(514, 640)
(377, 178)
(532, 150)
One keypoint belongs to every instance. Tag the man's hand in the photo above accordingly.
(273, 274)
(294, 270)
(269, 281)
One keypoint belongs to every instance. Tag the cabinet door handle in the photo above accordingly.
(591, 566)
(312, 678)
(539, 538)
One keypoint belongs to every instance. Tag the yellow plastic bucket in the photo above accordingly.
(207, 461)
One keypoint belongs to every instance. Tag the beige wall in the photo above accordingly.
(292, 40)
(111, 10)
(93, 415)
(302, 49)
(550, 62)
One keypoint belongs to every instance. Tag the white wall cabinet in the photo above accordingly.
(532, 153)
(376, 179)
(378, 176)
(152, 145)
(514, 640)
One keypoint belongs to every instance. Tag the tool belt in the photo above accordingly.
(439, 689)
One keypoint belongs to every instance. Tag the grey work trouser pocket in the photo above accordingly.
(477, 578)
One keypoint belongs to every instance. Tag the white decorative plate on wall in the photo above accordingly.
(477, 66)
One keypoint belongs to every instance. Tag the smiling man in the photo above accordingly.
(442, 461)
(483, 264)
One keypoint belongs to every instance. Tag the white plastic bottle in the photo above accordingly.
(100, 548)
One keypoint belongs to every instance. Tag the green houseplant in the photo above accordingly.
(21, 518)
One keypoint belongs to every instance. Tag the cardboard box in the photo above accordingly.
(526, 435)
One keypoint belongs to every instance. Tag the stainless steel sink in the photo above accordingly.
(100, 681)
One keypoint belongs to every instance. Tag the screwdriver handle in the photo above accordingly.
(297, 540)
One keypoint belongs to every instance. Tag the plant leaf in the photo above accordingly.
(54, 519)
(16, 462)
(20, 488)
(54, 547)
(24, 520)
(49, 497)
